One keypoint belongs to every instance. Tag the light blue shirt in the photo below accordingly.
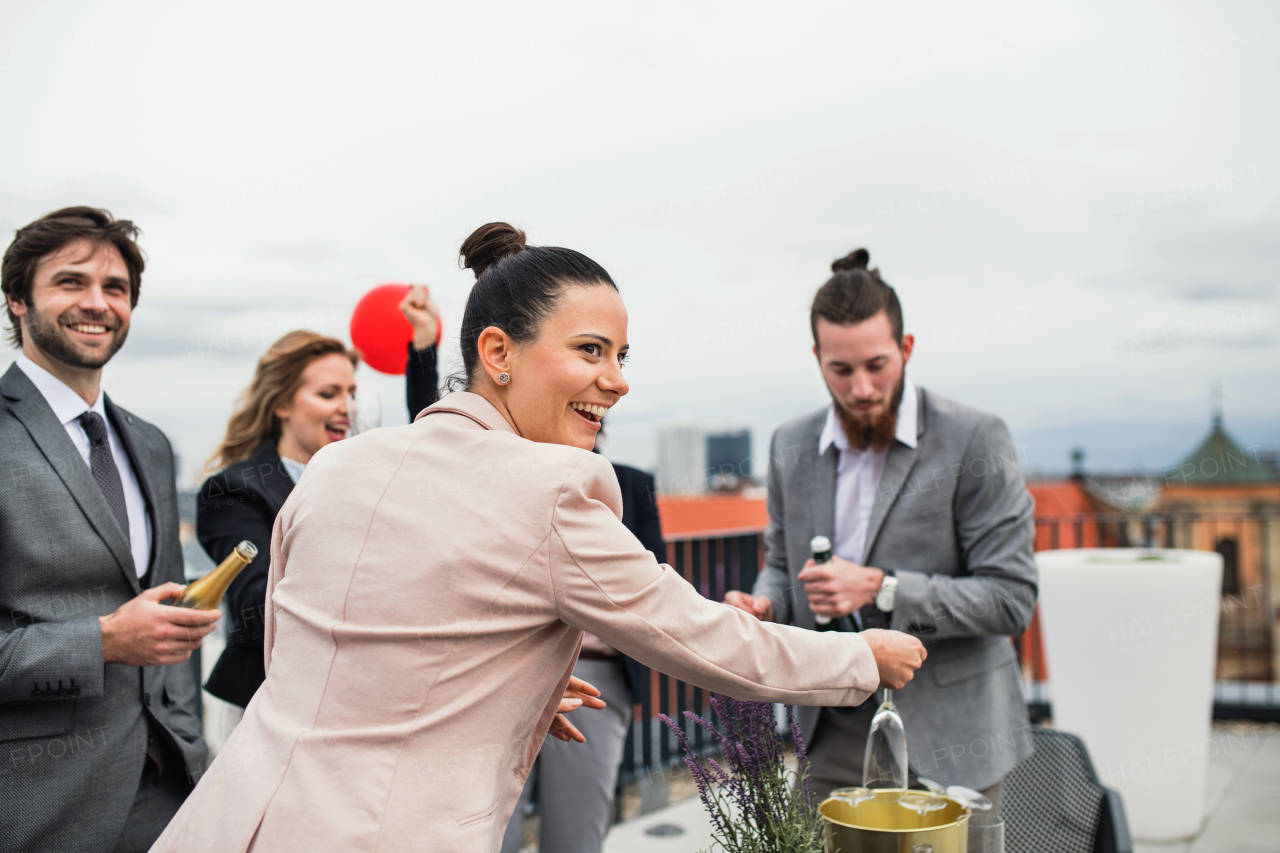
(293, 468)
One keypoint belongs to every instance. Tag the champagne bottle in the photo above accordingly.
(206, 593)
(821, 548)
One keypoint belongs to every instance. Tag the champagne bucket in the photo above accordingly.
(883, 826)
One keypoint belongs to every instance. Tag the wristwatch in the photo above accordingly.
(888, 592)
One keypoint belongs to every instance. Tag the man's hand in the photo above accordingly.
(758, 606)
(839, 587)
(144, 632)
(420, 310)
(576, 694)
(898, 655)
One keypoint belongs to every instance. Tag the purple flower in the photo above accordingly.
(755, 803)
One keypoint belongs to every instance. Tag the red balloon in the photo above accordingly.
(380, 332)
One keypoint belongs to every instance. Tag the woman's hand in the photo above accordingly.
(420, 310)
(576, 694)
(758, 606)
(898, 655)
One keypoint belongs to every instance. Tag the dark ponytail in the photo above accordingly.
(517, 287)
(854, 294)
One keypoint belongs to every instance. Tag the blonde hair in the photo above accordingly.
(276, 379)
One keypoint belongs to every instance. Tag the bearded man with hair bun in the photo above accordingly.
(932, 527)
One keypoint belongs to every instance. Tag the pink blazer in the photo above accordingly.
(428, 592)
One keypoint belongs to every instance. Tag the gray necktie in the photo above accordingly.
(103, 466)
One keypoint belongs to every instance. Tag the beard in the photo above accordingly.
(50, 337)
(872, 431)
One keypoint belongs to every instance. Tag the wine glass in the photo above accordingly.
(986, 834)
(969, 798)
(932, 786)
(364, 412)
(922, 802)
(884, 764)
(853, 796)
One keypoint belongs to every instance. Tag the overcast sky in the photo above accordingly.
(1079, 207)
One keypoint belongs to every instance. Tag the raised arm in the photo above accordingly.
(421, 373)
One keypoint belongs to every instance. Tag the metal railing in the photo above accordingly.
(713, 566)
(1246, 667)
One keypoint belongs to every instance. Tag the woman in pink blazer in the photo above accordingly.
(430, 584)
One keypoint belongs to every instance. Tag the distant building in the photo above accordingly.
(1234, 486)
(728, 460)
(682, 460)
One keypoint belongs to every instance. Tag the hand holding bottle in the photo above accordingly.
(145, 632)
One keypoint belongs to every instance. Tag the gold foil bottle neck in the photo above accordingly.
(207, 592)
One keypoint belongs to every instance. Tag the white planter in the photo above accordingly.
(1131, 638)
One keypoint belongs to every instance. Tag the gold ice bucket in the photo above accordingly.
(883, 826)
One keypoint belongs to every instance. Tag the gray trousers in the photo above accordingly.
(159, 796)
(576, 781)
(840, 745)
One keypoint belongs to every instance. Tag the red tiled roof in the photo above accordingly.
(708, 515)
(1060, 497)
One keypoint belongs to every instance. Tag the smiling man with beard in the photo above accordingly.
(99, 727)
(932, 531)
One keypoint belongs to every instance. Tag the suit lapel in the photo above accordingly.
(127, 431)
(276, 483)
(822, 491)
(28, 406)
(897, 470)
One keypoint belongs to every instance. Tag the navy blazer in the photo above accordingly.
(241, 502)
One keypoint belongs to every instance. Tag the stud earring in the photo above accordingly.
(504, 378)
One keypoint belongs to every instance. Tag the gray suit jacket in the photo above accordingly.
(73, 730)
(954, 520)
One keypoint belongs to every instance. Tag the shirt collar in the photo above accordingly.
(67, 405)
(293, 468)
(908, 415)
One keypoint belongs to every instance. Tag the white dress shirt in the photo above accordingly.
(858, 476)
(67, 407)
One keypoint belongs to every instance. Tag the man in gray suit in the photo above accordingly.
(932, 527)
(99, 728)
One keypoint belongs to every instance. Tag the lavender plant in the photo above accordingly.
(756, 804)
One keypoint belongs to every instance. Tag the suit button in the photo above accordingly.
(75, 692)
(146, 699)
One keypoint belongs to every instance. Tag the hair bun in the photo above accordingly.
(855, 260)
(489, 244)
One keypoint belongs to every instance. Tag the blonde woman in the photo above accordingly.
(295, 405)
